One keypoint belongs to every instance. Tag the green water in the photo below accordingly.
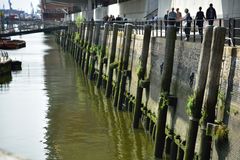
(50, 110)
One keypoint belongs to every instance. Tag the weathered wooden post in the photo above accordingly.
(127, 46)
(119, 70)
(199, 93)
(165, 90)
(85, 47)
(93, 55)
(102, 54)
(78, 44)
(111, 60)
(88, 47)
(82, 42)
(211, 93)
(141, 75)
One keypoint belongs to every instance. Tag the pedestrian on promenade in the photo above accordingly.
(166, 19)
(178, 19)
(172, 17)
(211, 14)
(200, 19)
(187, 24)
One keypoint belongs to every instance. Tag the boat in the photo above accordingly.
(16, 65)
(12, 44)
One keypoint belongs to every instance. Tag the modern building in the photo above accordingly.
(141, 9)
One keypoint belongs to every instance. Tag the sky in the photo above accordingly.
(20, 4)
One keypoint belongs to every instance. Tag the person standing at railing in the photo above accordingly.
(178, 19)
(166, 20)
(187, 19)
(200, 19)
(172, 17)
(211, 14)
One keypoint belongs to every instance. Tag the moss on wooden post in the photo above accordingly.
(141, 75)
(211, 93)
(199, 94)
(111, 60)
(102, 54)
(165, 89)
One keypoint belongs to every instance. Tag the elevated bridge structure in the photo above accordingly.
(20, 27)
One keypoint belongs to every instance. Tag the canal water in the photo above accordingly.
(50, 110)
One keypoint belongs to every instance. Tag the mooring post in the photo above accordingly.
(165, 90)
(211, 93)
(82, 43)
(89, 46)
(111, 60)
(102, 54)
(85, 46)
(78, 44)
(199, 93)
(119, 70)
(127, 46)
(94, 54)
(141, 75)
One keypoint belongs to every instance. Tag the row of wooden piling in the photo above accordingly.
(91, 56)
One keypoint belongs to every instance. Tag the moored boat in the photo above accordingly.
(12, 44)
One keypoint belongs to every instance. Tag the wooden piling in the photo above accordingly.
(89, 46)
(102, 55)
(199, 93)
(119, 70)
(111, 60)
(85, 47)
(211, 93)
(141, 75)
(127, 46)
(165, 89)
(82, 43)
(93, 57)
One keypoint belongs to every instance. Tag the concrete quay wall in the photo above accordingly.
(186, 60)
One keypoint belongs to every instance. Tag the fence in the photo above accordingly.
(160, 26)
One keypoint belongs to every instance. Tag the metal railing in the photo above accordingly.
(160, 26)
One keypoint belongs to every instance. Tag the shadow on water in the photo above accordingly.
(82, 123)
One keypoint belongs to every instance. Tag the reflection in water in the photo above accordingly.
(82, 122)
(63, 115)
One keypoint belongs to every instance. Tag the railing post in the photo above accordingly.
(161, 27)
(233, 31)
(229, 31)
(194, 30)
(181, 30)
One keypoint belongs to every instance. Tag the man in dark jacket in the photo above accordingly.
(166, 20)
(211, 14)
(200, 19)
